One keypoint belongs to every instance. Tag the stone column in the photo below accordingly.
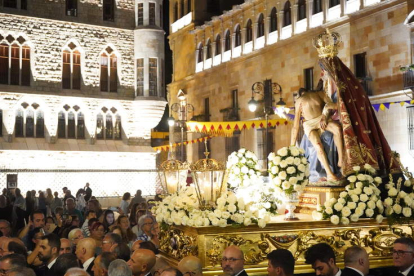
(294, 17)
(325, 7)
(309, 11)
(254, 34)
(280, 23)
(232, 43)
(343, 7)
(243, 39)
(267, 29)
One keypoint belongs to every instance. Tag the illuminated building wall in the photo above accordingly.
(218, 57)
(81, 87)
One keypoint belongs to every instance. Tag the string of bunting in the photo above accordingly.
(227, 128)
(383, 106)
(167, 148)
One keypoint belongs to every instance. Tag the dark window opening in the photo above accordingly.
(207, 109)
(333, 3)
(308, 78)
(61, 125)
(227, 43)
(218, 45)
(237, 37)
(152, 14)
(71, 7)
(301, 9)
(19, 124)
(287, 18)
(260, 26)
(317, 6)
(109, 10)
(140, 14)
(249, 31)
(273, 20)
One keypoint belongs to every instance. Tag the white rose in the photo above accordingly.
(407, 183)
(304, 160)
(217, 212)
(361, 177)
(408, 200)
(261, 223)
(274, 170)
(298, 188)
(358, 191)
(351, 205)
(232, 208)
(362, 205)
(294, 151)
(293, 180)
(222, 223)
(214, 222)
(356, 168)
(345, 212)
(406, 212)
(302, 168)
(317, 215)
(277, 181)
(352, 178)
(232, 199)
(297, 161)
(282, 175)
(378, 179)
(369, 212)
(402, 194)
(338, 206)
(354, 217)
(271, 156)
(282, 151)
(244, 169)
(371, 204)
(343, 194)
(359, 184)
(379, 218)
(392, 192)
(359, 211)
(291, 170)
(286, 185)
(355, 198)
(290, 160)
(225, 215)
(277, 160)
(397, 208)
(342, 201)
(242, 150)
(247, 221)
(388, 201)
(328, 210)
(345, 221)
(335, 219)
(363, 198)
(379, 204)
(367, 167)
(368, 190)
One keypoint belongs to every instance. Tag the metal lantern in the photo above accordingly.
(208, 176)
(173, 175)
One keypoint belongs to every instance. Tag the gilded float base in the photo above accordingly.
(208, 243)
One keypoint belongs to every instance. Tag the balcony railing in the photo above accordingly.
(408, 80)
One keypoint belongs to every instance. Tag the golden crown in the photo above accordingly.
(327, 43)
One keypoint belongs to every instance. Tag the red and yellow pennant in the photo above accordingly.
(227, 128)
(167, 148)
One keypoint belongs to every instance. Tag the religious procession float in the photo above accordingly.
(369, 203)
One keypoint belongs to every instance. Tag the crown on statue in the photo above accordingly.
(327, 43)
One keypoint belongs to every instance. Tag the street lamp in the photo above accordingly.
(182, 108)
(267, 89)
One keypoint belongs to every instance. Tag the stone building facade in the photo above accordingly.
(216, 62)
(81, 87)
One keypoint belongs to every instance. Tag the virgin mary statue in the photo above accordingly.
(364, 142)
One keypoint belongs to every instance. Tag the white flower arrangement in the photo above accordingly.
(360, 200)
(243, 168)
(399, 204)
(182, 209)
(289, 170)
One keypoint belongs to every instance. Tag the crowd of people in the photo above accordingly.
(71, 235)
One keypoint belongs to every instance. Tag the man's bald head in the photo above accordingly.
(160, 266)
(85, 249)
(75, 271)
(65, 246)
(142, 261)
(192, 265)
(232, 261)
(356, 257)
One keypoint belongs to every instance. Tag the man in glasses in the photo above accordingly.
(232, 261)
(403, 256)
(190, 266)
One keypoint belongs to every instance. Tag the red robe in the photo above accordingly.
(363, 138)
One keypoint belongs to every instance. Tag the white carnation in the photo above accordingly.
(388, 201)
(407, 183)
(406, 212)
(371, 204)
(378, 179)
(297, 161)
(397, 208)
(232, 208)
(392, 192)
(364, 198)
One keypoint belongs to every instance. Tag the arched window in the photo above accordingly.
(175, 11)
(19, 124)
(61, 125)
(108, 125)
(218, 45)
(260, 26)
(317, 6)
(109, 71)
(287, 18)
(71, 125)
(301, 9)
(208, 49)
(71, 68)
(333, 3)
(249, 31)
(14, 61)
(30, 123)
(81, 126)
(182, 8)
(273, 20)
(108, 10)
(237, 36)
(227, 42)
(200, 56)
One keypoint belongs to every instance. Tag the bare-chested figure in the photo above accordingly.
(314, 108)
